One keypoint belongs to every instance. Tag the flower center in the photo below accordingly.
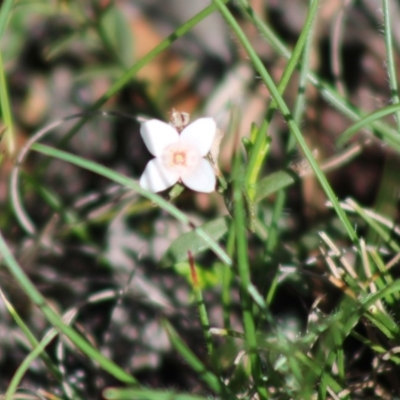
(180, 158)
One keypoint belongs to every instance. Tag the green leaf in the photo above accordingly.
(274, 182)
(178, 251)
(117, 33)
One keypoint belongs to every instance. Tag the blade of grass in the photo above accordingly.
(24, 366)
(245, 282)
(15, 197)
(148, 394)
(227, 280)
(205, 323)
(6, 110)
(365, 121)
(31, 338)
(5, 11)
(391, 66)
(189, 241)
(132, 184)
(384, 277)
(55, 319)
(207, 376)
(382, 232)
(384, 322)
(55, 203)
(376, 347)
(39, 348)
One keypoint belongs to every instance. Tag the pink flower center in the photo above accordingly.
(181, 158)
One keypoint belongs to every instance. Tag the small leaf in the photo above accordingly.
(274, 182)
(118, 34)
(176, 191)
(191, 241)
(248, 145)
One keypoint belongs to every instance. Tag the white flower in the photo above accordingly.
(179, 157)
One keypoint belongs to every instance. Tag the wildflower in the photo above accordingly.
(179, 157)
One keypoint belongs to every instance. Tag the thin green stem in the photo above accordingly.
(297, 116)
(5, 11)
(390, 59)
(207, 376)
(245, 282)
(205, 323)
(227, 276)
(6, 110)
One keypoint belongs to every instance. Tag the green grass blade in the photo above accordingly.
(205, 322)
(383, 232)
(148, 394)
(5, 11)
(55, 319)
(394, 89)
(227, 279)
(385, 277)
(25, 365)
(245, 282)
(31, 338)
(6, 110)
(365, 122)
(132, 184)
(207, 376)
(54, 202)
